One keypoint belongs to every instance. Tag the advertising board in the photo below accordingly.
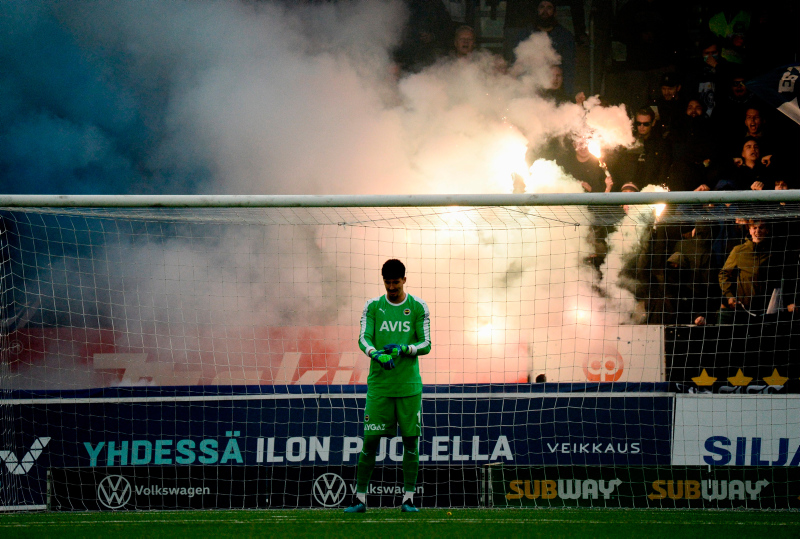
(642, 487)
(123, 488)
(463, 426)
(737, 430)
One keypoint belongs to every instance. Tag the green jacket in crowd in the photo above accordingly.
(753, 270)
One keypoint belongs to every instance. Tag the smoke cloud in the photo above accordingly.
(259, 97)
(247, 97)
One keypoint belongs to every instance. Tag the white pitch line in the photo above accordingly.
(388, 520)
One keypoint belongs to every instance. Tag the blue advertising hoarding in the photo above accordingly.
(276, 426)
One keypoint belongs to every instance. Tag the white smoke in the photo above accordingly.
(264, 97)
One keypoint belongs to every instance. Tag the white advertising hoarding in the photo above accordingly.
(584, 353)
(736, 430)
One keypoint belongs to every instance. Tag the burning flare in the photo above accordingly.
(594, 149)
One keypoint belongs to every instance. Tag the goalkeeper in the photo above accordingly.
(395, 329)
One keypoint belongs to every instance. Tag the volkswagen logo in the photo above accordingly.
(114, 491)
(329, 490)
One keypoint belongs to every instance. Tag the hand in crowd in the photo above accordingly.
(738, 161)
(732, 303)
(586, 187)
(766, 160)
(757, 186)
(790, 307)
(609, 183)
(700, 321)
(703, 187)
(580, 98)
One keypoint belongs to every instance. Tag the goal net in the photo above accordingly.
(585, 351)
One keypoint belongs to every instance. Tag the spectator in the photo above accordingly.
(754, 275)
(427, 35)
(755, 128)
(650, 33)
(464, 42)
(668, 103)
(692, 150)
(556, 90)
(584, 167)
(525, 22)
(629, 187)
(690, 283)
(648, 161)
(730, 230)
(520, 19)
(518, 25)
(709, 75)
(732, 106)
(750, 171)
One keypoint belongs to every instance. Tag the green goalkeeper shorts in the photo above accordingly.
(382, 416)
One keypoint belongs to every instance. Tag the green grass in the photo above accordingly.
(376, 523)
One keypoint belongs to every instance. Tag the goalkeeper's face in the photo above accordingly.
(394, 289)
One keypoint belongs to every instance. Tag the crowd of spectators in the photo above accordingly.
(697, 126)
(726, 270)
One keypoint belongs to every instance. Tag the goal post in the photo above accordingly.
(200, 351)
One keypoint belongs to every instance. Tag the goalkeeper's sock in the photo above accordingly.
(366, 462)
(408, 497)
(410, 463)
(362, 497)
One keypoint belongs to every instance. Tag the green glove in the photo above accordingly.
(386, 361)
(396, 350)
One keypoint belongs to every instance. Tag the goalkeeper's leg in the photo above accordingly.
(409, 417)
(366, 463)
(410, 464)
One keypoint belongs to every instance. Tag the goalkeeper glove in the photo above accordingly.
(396, 350)
(386, 361)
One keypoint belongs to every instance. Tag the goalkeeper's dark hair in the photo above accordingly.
(393, 269)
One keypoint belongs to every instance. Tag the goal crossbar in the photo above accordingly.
(321, 201)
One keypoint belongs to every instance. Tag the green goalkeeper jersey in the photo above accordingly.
(382, 323)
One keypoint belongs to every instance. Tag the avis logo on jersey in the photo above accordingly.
(405, 326)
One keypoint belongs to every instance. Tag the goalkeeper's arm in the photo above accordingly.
(367, 329)
(423, 331)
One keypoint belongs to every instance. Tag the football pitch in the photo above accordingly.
(375, 523)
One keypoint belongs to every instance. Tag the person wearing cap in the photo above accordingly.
(668, 104)
(629, 187)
